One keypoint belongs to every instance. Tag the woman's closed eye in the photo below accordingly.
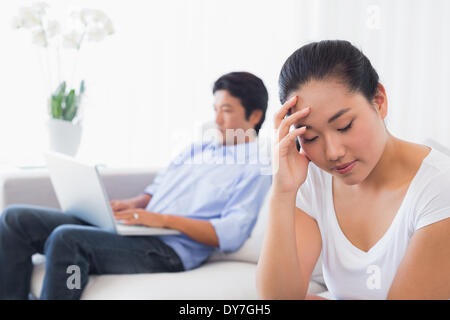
(347, 127)
(341, 130)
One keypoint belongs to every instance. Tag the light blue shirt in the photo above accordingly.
(225, 185)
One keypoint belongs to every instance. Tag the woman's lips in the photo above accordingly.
(345, 168)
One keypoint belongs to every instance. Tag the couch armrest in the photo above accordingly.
(34, 186)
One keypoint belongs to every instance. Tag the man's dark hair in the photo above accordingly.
(329, 59)
(249, 89)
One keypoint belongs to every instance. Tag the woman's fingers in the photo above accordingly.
(303, 152)
(279, 116)
(282, 123)
(285, 125)
(289, 138)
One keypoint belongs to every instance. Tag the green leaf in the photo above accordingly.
(71, 113)
(61, 89)
(56, 106)
(70, 109)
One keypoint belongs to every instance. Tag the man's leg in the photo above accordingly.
(23, 232)
(77, 251)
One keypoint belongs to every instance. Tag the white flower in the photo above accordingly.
(98, 24)
(40, 8)
(109, 28)
(53, 28)
(29, 17)
(93, 24)
(92, 16)
(88, 16)
(72, 40)
(99, 16)
(96, 34)
(38, 38)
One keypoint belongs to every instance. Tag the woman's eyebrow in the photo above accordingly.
(334, 117)
(338, 114)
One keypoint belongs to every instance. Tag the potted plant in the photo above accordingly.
(64, 131)
(64, 123)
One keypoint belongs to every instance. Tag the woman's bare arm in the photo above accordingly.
(290, 251)
(424, 272)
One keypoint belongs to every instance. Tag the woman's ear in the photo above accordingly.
(380, 101)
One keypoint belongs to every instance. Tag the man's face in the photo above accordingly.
(357, 134)
(230, 118)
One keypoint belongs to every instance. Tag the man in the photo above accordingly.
(213, 201)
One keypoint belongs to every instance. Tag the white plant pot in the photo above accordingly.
(64, 136)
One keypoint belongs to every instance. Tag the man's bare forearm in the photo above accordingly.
(199, 230)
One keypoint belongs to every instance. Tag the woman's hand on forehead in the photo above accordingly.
(298, 106)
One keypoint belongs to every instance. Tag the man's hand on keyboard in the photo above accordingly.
(140, 216)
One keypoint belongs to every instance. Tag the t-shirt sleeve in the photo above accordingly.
(437, 206)
(304, 194)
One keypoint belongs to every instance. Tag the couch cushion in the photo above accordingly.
(206, 282)
(209, 281)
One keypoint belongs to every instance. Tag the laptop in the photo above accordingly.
(81, 193)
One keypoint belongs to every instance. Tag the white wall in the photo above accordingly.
(149, 85)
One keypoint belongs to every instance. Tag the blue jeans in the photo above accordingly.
(71, 247)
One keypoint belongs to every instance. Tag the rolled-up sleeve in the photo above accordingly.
(240, 213)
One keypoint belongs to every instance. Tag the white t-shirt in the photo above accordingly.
(351, 273)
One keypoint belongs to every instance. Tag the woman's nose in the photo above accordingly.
(334, 150)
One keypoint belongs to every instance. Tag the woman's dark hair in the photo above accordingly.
(329, 59)
(249, 89)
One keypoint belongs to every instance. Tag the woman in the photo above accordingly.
(376, 206)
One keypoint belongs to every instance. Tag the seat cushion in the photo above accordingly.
(209, 281)
(215, 280)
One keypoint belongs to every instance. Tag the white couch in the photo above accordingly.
(223, 276)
